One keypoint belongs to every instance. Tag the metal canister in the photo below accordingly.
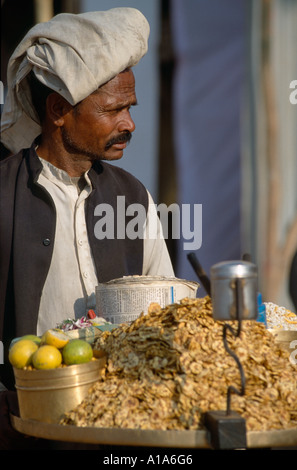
(45, 395)
(234, 290)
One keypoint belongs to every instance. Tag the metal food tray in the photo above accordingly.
(146, 438)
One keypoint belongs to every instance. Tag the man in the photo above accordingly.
(71, 88)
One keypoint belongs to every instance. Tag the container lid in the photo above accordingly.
(233, 269)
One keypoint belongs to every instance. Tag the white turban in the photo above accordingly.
(73, 55)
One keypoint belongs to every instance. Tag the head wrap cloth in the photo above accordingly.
(73, 55)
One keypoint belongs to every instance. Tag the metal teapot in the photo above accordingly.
(234, 290)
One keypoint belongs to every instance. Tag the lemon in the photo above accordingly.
(47, 357)
(21, 352)
(77, 351)
(55, 337)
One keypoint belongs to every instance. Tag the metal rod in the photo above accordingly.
(235, 357)
(247, 257)
(239, 316)
(200, 272)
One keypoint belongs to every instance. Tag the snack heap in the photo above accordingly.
(169, 367)
(280, 317)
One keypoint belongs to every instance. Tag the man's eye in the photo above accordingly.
(123, 109)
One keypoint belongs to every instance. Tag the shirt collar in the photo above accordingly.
(54, 174)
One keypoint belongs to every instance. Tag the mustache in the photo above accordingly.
(125, 137)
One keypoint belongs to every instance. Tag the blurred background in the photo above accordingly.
(215, 123)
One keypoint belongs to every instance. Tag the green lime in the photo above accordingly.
(77, 351)
(34, 338)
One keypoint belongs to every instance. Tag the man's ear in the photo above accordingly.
(56, 108)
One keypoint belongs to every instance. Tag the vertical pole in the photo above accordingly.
(43, 10)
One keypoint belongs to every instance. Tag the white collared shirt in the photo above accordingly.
(69, 289)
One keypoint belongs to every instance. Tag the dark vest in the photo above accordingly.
(28, 221)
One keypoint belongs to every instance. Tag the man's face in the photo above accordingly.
(101, 125)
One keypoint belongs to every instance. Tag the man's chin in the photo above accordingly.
(112, 155)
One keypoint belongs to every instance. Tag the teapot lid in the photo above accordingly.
(233, 269)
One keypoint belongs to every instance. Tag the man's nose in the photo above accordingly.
(126, 123)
